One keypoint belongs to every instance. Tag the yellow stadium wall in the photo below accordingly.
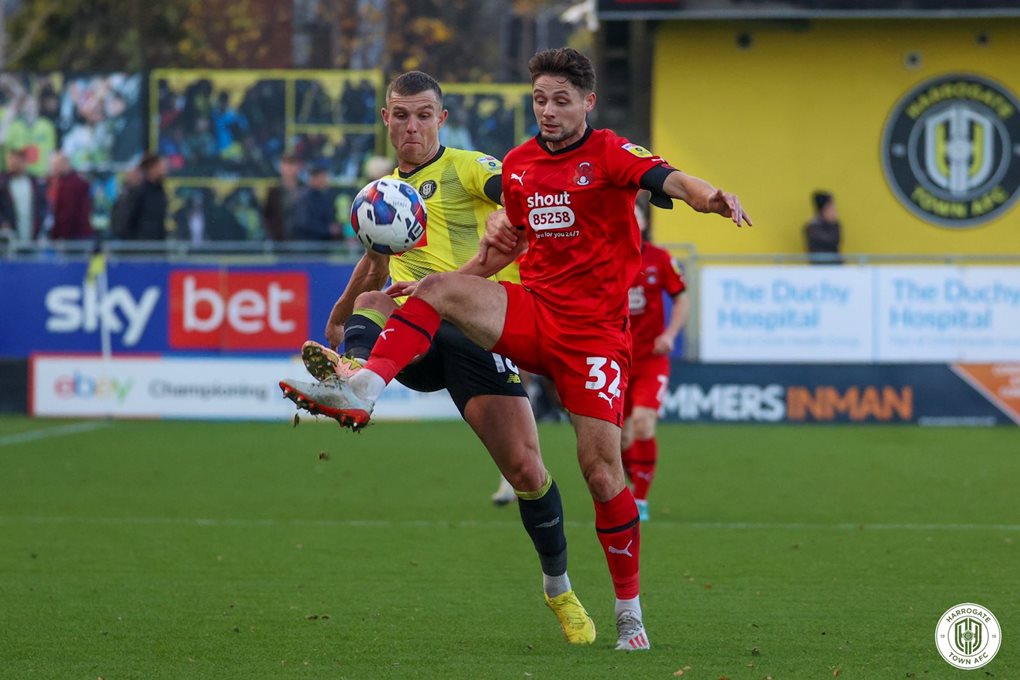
(804, 108)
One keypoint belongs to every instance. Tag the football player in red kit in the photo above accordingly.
(652, 342)
(570, 193)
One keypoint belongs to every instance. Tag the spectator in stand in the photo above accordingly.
(22, 200)
(317, 213)
(822, 234)
(118, 214)
(34, 135)
(146, 205)
(280, 211)
(203, 219)
(69, 200)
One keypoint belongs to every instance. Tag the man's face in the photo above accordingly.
(414, 121)
(319, 180)
(829, 213)
(15, 163)
(157, 171)
(560, 109)
(59, 165)
(289, 171)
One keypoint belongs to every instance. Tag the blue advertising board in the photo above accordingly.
(158, 307)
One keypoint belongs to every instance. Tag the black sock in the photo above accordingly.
(543, 519)
(360, 333)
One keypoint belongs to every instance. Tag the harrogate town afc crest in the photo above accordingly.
(427, 189)
(968, 636)
(951, 150)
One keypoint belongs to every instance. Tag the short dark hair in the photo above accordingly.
(149, 159)
(414, 82)
(566, 62)
(821, 199)
(290, 157)
(19, 152)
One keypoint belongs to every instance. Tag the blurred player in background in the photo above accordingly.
(571, 191)
(651, 346)
(460, 188)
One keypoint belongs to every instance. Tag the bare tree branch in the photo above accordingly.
(43, 11)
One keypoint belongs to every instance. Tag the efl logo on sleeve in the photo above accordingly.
(637, 150)
(247, 311)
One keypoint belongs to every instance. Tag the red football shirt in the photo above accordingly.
(658, 274)
(577, 205)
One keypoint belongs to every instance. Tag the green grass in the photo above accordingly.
(215, 550)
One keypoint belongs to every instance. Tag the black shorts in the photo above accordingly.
(463, 368)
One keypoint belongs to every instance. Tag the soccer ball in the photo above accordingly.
(388, 216)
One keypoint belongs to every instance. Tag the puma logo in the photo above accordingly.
(607, 398)
(625, 551)
(548, 525)
(647, 476)
(519, 178)
(382, 334)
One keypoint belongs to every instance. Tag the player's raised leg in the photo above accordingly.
(477, 306)
(361, 330)
(616, 522)
(507, 428)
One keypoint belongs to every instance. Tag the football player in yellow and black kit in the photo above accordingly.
(460, 189)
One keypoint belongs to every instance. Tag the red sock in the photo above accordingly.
(617, 526)
(407, 334)
(642, 467)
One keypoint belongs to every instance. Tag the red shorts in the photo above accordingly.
(649, 380)
(588, 360)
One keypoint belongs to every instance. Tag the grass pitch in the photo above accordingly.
(216, 550)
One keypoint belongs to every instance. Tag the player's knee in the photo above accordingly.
(443, 290)
(644, 424)
(604, 481)
(526, 472)
(374, 299)
(431, 286)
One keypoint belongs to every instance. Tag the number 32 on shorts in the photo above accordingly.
(597, 367)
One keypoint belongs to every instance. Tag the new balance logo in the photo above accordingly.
(519, 178)
(625, 551)
(550, 524)
(607, 398)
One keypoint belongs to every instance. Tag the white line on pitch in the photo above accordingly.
(50, 432)
(466, 524)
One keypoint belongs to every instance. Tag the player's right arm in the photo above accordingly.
(369, 274)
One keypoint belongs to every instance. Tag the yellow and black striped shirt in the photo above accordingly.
(460, 189)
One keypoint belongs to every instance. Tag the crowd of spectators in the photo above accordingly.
(233, 161)
(205, 132)
(302, 206)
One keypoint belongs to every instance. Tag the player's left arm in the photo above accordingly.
(370, 273)
(665, 342)
(704, 197)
